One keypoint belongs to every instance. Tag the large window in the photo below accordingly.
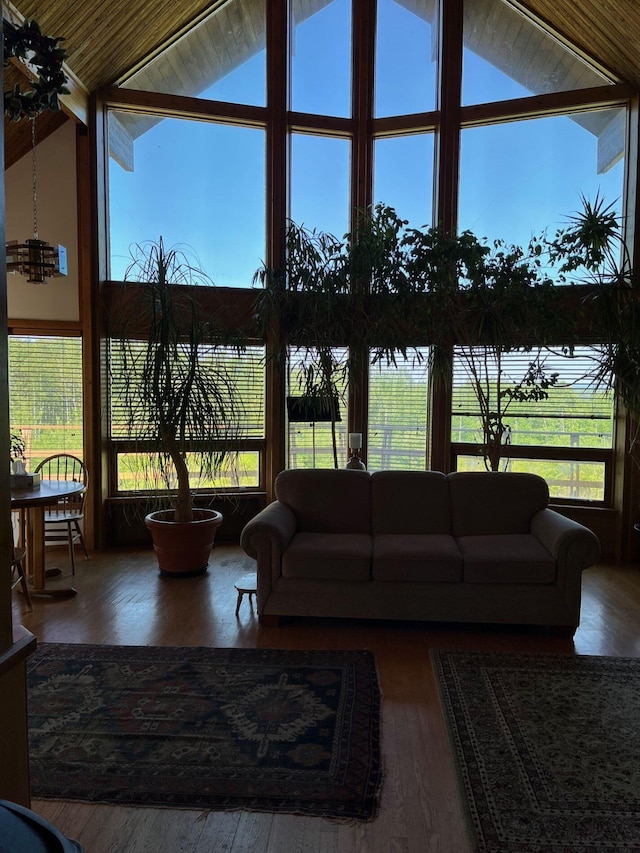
(566, 435)
(354, 109)
(243, 468)
(45, 394)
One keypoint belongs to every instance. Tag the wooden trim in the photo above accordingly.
(182, 106)
(277, 211)
(23, 645)
(90, 401)
(19, 326)
(448, 136)
(321, 125)
(626, 497)
(555, 103)
(96, 382)
(406, 124)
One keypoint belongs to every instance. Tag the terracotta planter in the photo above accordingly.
(183, 548)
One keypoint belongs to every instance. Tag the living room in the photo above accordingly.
(486, 142)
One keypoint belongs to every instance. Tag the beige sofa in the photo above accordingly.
(419, 545)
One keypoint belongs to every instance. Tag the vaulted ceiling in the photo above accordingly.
(106, 40)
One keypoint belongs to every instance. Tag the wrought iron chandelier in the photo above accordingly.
(36, 259)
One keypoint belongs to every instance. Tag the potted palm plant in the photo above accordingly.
(175, 398)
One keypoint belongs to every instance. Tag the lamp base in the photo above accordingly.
(355, 463)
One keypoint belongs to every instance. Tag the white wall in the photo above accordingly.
(57, 298)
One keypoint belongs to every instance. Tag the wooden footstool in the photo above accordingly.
(247, 584)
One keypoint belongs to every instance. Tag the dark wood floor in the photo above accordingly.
(122, 600)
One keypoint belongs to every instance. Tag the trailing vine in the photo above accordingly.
(26, 42)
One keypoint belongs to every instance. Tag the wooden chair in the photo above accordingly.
(18, 576)
(62, 521)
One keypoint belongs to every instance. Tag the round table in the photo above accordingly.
(34, 501)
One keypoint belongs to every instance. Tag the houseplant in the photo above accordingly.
(174, 396)
(310, 302)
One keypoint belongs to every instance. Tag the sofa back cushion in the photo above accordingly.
(331, 500)
(412, 502)
(492, 502)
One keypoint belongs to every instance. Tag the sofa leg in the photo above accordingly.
(267, 620)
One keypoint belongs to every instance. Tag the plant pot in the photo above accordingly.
(183, 547)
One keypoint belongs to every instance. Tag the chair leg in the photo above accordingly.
(25, 588)
(84, 547)
(72, 556)
(22, 580)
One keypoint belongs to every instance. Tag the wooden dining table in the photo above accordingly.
(34, 501)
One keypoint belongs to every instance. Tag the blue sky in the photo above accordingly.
(203, 185)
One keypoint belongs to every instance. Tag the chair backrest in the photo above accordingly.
(64, 466)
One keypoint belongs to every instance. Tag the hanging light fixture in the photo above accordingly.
(34, 258)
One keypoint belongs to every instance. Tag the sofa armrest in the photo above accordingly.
(264, 538)
(572, 544)
(275, 523)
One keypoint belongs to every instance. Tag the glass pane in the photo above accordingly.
(244, 371)
(398, 402)
(314, 441)
(321, 57)
(320, 183)
(508, 56)
(242, 470)
(573, 414)
(198, 185)
(520, 178)
(583, 481)
(403, 176)
(406, 51)
(222, 58)
(45, 395)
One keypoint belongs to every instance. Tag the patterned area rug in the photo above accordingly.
(257, 729)
(548, 749)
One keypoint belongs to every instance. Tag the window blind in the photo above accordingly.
(398, 405)
(45, 394)
(244, 369)
(574, 413)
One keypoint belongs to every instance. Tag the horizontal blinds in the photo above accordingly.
(246, 370)
(311, 444)
(572, 398)
(45, 394)
(398, 405)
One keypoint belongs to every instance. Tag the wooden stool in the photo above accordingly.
(247, 584)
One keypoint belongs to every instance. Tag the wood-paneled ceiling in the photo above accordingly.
(107, 40)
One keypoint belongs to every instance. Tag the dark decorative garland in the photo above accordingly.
(44, 53)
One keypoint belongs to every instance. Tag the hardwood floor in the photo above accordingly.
(122, 600)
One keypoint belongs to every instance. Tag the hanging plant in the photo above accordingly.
(44, 53)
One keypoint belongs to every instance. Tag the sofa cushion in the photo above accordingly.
(507, 558)
(492, 502)
(338, 556)
(416, 558)
(330, 500)
(415, 502)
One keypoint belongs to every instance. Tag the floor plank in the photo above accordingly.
(123, 600)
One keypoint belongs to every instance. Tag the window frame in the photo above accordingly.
(362, 128)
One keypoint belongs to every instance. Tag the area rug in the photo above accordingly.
(257, 729)
(547, 747)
